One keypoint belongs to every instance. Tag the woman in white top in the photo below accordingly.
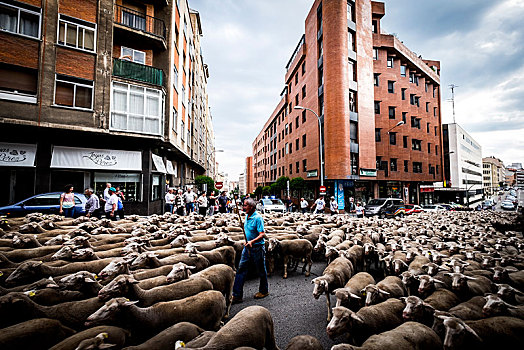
(333, 206)
(67, 202)
(202, 204)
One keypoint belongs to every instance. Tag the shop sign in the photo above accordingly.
(159, 163)
(368, 172)
(17, 154)
(427, 189)
(100, 159)
(312, 173)
(169, 168)
(340, 196)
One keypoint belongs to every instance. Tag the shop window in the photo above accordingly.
(18, 83)
(19, 20)
(73, 92)
(155, 187)
(129, 183)
(76, 33)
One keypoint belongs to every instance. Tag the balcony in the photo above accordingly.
(138, 72)
(141, 24)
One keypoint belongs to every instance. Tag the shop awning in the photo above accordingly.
(159, 164)
(17, 154)
(169, 167)
(99, 159)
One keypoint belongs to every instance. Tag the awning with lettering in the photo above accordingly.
(99, 159)
(169, 168)
(17, 154)
(158, 163)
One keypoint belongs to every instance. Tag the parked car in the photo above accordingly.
(412, 208)
(380, 206)
(433, 207)
(47, 203)
(266, 205)
(488, 204)
(507, 205)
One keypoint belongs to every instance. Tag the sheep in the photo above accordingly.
(222, 255)
(367, 321)
(349, 295)
(417, 310)
(389, 287)
(204, 309)
(252, 327)
(495, 306)
(304, 342)
(407, 336)
(184, 331)
(427, 284)
(442, 299)
(127, 286)
(39, 333)
(494, 332)
(355, 254)
(510, 294)
(179, 272)
(466, 286)
(222, 277)
(416, 266)
(469, 310)
(113, 335)
(297, 249)
(201, 340)
(51, 296)
(82, 281)
(335, 276)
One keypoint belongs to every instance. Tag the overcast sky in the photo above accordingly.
(480, 44)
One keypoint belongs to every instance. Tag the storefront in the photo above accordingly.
(349, 192)
(17, 172)
(427, 194)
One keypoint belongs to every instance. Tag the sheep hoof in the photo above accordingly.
(285, 276)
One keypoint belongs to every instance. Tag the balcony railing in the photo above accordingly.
(136, 71)
(139, 21)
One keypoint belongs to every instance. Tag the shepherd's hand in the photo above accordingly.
(248, 244)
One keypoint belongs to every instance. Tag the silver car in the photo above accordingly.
(267, 205)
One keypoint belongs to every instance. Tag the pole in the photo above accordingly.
(240, 219)
(319, 142)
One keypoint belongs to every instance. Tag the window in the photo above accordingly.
(73, 92)
(303, 68)
(297, 144)
(417, 167)
(376, 79)
(375, 54)
(296, 123)
(406, 166)
(429, 148)
(391, 86)
(434, 111)
(296, 79)
(303, 117)
(304, 164)
(175, 78)
(377, 135)
(287, 148)
(297, 167)
(18, 83)
(431, 169)
(76, 33)
(290, 169)
(417, 101)
(416, 145)
(402, 70)
(290, 147)
(290, 127)
(175, 120)
(391, 112)
(437, 169)
(303, 92)
(374, 26)
(183, 95)
(434, 91)
(390, 62)
(436, 151)
(377, 107)
(155, 187)
(405, 141)
(137, 109)
(379, 163)
(403, 93)
(412, 99)
(404, 115)
(19, 20)
(427, 106)
(392, 138)
(303, 140)
(393, 164)
(133, 55)
(415, 122)
(296, 99)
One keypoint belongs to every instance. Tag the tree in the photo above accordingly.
(258, 191)
(265, 190)
(297, 183)
(281, 183)
(274, 188)
(202, 179)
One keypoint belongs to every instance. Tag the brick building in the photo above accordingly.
(97, 91)
(378, 105)
(250, 179)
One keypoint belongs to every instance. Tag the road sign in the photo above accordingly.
(219, 185)
(322, 190)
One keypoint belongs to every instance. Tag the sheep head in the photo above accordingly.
(42, 284)
(109, 312)
(273, 244)
(372, 293)
(179, 272)
(97, 342)
(114, 268)
(26, 271)
(321, 286)
(459, 281)
(78, 280)
(415, 308)
(343, 320)
(495, 306)
(344, 295)
(456, 332)
(118, 287)
(66, 252)
(145, 260)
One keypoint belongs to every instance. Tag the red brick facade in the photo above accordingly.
(19, 51)
(86, 9)
(74, 63)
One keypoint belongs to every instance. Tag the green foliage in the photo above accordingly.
(258, 191)
(297, 183)
(281, 183)
(202, 179)
(265, 190)
(274, 188)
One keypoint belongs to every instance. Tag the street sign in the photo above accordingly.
(219, 185)
(322, 190)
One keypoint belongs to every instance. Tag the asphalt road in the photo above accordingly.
(292, 306)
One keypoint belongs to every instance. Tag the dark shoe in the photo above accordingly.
(236, 300)
(261, 295)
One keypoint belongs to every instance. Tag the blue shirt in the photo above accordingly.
(253, 226)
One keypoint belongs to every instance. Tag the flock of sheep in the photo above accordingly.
(427, 281)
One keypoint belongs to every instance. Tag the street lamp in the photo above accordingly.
(398, 124)
(319, 142)
(213, 152)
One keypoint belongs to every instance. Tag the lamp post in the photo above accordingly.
(398, 124)
(388, 167)
(210, 154)
(319, 143)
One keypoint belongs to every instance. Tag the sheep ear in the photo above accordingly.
(438, 281)
(470, 278)
(469, 329)
(356, 317)
(383, 292)
(105, 346)
(129, 303)
(428, 306)
(354, 296)
(191, 267)
(448, 274)
(403, 299)
(511, 269)
(89, 280)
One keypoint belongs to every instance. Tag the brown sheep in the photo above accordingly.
(304, 342)
(350, 295)
(184, 331)
(115, 335)
(39, 333)
(222, 277)
(297, 249)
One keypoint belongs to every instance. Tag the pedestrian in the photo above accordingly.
(179, 203)
(189, 200)
(211, 201)
(111, 205)
(222, 202)
(67, 202)
(319, 204)
(254, 252)
(233, 205)
(202, 204)
(106, 192)
(359, 210)
(170, 201)
(93, 204)
(120, 205)
(333, 206)
(287, 203)
(303, 205)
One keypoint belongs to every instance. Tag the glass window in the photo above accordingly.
(79, 34)
(375, 54)
(175, 120)
(377, 107)
(133, 55)
(390, 62)
(129, 183)
(405, 141)
(403, 70)
(403, 91)
(406, 166)
(376, 79)
(391, 87)
(19, 20)
(392, 138)
(393, 164)
(304, 164)
(391, 112)
(155, 187)
(73, 92)
(377, 135)
(18, 80)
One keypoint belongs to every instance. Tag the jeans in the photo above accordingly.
(303, 210)
(257, 255)
(189, 208)
(69, 212)
(169, 207)
(202, 210)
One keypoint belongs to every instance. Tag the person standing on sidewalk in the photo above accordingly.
(189, 199)
(222, 202)
(202, 204)
(67, 202)
(211, 201)
(359, 210)
(93, 204)
(303, 205)
(179, 203)
(254, 252)
(111, 204)
(170, 201)
(320, 204)
(333, 206)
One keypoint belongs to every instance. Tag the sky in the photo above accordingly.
(480, 44)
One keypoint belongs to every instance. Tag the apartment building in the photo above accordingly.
(250, 179)
(463, 169)
(494, 175)
(97, 91)
(378, 107)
